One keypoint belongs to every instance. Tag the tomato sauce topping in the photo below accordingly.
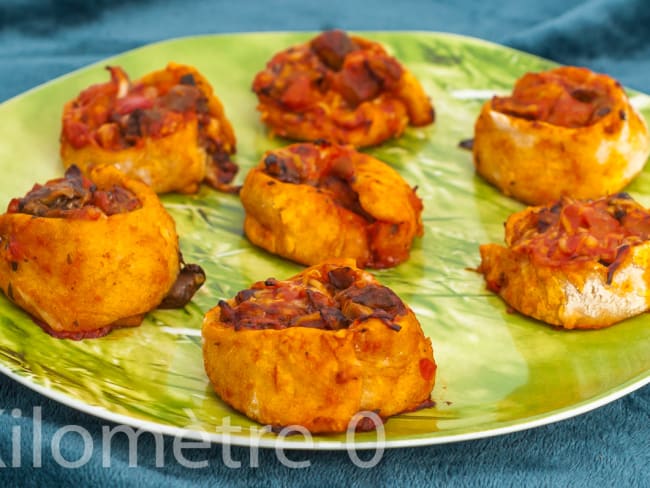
(327, 167)
(332, 302)
(333, 62)
(119, 114)
(74, 196)
(572, 231)
(568, 97)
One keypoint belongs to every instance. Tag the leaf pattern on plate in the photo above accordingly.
(498, 371)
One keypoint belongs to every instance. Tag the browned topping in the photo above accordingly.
(365, 79)
(189, 280)
(74, 195)
(571, 231)
(621, 253)
(332, 47)
(333, 61)
(220, 170)
(568, 97)
(327, 167)
(331, 302)
(182, 98)
(117, 115)
(341, 278)
(584, 95)
(372, 299)
(284, 169)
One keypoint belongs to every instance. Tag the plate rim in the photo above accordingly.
(540, 420)
(603, 398)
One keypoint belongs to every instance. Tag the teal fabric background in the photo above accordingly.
(40, 40)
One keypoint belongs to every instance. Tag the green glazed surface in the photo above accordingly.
(497, 371)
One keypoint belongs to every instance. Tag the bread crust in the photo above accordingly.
(186, 141)
(82, 274)
(596, 285)
(284, 375)
(309, 202)
(537, 161)
(344, 89)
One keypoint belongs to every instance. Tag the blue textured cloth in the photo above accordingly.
(40, 40)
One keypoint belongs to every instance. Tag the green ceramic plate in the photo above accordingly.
(498, 372)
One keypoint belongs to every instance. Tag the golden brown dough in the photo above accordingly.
(344, 89)
(168, 129)
(85, 255)
(308, 202)
(316, 349)
(575, 264)
(564, 132)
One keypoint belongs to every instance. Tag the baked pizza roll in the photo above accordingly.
(83, 256)
(307, 202)
(168, 129)
(574, 264)
(316, 349)
(341, 88)
(563, 132)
